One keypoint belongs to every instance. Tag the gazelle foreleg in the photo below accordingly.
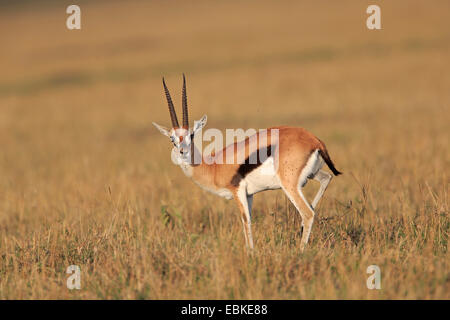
(324, 178)
(244, 202)
(250, 203)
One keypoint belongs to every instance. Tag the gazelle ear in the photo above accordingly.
(199, 124)
(162, 129)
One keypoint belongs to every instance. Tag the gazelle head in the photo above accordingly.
(181, 137)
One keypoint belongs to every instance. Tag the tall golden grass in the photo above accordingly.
(86, 180)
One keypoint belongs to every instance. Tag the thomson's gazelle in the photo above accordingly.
(294, 156)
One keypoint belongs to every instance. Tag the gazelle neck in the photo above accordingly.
(189, 167)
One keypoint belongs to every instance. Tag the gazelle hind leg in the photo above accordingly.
(324, 178)
(244, 202)
(294, 170)
(297, 198)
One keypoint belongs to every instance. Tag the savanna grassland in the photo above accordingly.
(85, 179)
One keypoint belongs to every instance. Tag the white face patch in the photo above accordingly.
(181, 140)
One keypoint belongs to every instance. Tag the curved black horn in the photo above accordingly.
(184, 104)
(173, 115)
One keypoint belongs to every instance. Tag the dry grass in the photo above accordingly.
(86, 180)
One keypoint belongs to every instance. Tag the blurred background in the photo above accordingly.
(84, 176)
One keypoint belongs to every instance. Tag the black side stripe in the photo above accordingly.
(249, 164)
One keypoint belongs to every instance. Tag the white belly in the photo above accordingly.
(262, 178)
(222, 192)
